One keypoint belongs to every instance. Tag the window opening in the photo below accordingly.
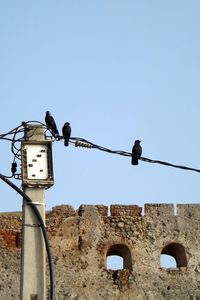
(115, 262)
(173, 255)
(167, 261)
(118, 257)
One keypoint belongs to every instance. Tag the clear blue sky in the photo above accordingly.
(117, 71)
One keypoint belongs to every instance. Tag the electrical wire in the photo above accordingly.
(10, 132)
(89, 144)
(78, 142)
(16, 136)
(169, 164)
(41, 222)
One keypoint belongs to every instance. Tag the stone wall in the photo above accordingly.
(82, 240)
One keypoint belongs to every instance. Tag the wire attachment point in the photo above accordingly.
(83, 144)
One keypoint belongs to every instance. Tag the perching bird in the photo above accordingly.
(66, 131)
(136, 152)
(51, 124)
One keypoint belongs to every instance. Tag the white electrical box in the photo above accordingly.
(37, 165)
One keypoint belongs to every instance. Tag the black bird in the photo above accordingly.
(136, 152)
(66, 131)
(51, 124)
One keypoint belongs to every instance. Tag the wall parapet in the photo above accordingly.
(153, 210)
(150, 209)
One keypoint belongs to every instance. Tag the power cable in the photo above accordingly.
(44, 232)
(80, 142)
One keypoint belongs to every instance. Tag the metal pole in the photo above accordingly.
(33, 259)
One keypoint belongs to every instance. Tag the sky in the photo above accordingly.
(117, 71)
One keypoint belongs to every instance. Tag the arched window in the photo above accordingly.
(173, 256)
(118, 257)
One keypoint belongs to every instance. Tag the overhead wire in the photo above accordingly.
(78, 142)
(128, 154)
(16, 136)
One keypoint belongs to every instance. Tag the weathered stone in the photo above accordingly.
(81, 242)
(120, 225)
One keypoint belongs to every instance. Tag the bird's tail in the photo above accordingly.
(134, 161)
(66, 142)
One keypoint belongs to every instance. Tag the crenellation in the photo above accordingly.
(188, 211)
(159, 210)
(57, 215)
(84, 208)
(63, 210)
(125, 210)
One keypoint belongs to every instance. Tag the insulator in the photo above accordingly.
(83, 144)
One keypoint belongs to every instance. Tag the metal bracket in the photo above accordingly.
(35, 203)
(31, 225)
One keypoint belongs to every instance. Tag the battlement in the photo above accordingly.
(83, 240)
(150, 210)
(158, 211)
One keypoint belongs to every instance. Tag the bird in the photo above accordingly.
(66, 131)
(51, 124)
(136, 152)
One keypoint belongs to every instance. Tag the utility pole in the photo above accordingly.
(37, 174)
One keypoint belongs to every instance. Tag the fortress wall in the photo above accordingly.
(82, 240)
